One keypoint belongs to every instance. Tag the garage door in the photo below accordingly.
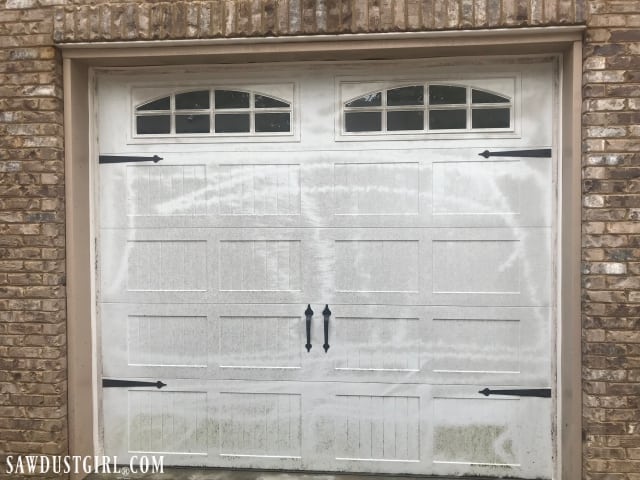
(329, 267)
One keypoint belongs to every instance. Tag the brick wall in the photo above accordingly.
(611, 241)
(32, 314)
(32, 293)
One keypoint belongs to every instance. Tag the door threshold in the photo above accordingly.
(193, 473)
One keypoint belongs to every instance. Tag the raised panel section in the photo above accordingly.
(167, 190)
(376, 265)
(168, 422)
(261, 424)
(260, 342)
(378, 428)
(169, 341)
(479, 432)
(259, 189)
(260, 265)
(488, 187)
(383, 188)
(476, 266)
(378, 344)
(171, 265)
(476, 345)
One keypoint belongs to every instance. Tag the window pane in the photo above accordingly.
(272, 122)
(406, 96)
(491, 118)
(232, 123)
(160, 104)
(192, 100)
(369, 100)
(150, 124)
(192, 123)
(480, 96)
(410, 120)
(447, 119)
(263, 101)
(363, 121)
(231, 99)
(444, 94)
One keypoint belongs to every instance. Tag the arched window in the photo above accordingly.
(213, 112)
(429, 107)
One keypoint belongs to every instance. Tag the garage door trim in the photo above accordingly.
(78, 63)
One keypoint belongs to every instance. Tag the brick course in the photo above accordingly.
(32, 254)
(82, 21)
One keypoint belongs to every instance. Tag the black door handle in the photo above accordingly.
(326, 313)
(308, 313)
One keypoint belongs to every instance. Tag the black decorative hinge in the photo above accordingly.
(539, 153)
(523, 392)
(125, 159)
(112, 383)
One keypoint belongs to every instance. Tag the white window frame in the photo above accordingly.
(136, 99)
(469, 81)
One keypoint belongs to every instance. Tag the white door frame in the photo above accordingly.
(78, 62)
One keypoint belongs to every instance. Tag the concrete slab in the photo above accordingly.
(220, 474)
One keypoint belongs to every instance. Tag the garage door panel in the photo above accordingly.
(260, 265)
(208, 265)
(379, 428)
(266, 265)
(370, 343)
(155, 265)
(439, 345)
(259, 189)
(174, 193)
(438, 187)
(264, 342)
(506, 345)
(366, 266)
(260, 341)
(416, 187)
(235, 423)
(377, 344)
(490, 267)
(489, 436)
(377, 187)
(233, 190)
(373, 427)
(181, 341)
(177, 423)
(262, 424)
(437, 266)
(161, 341)
(471, 191)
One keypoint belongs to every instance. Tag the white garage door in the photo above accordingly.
(295, 200)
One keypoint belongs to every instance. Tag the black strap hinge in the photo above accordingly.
(114, 383)
(127, 159)
(539, 153)
(522, 392)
